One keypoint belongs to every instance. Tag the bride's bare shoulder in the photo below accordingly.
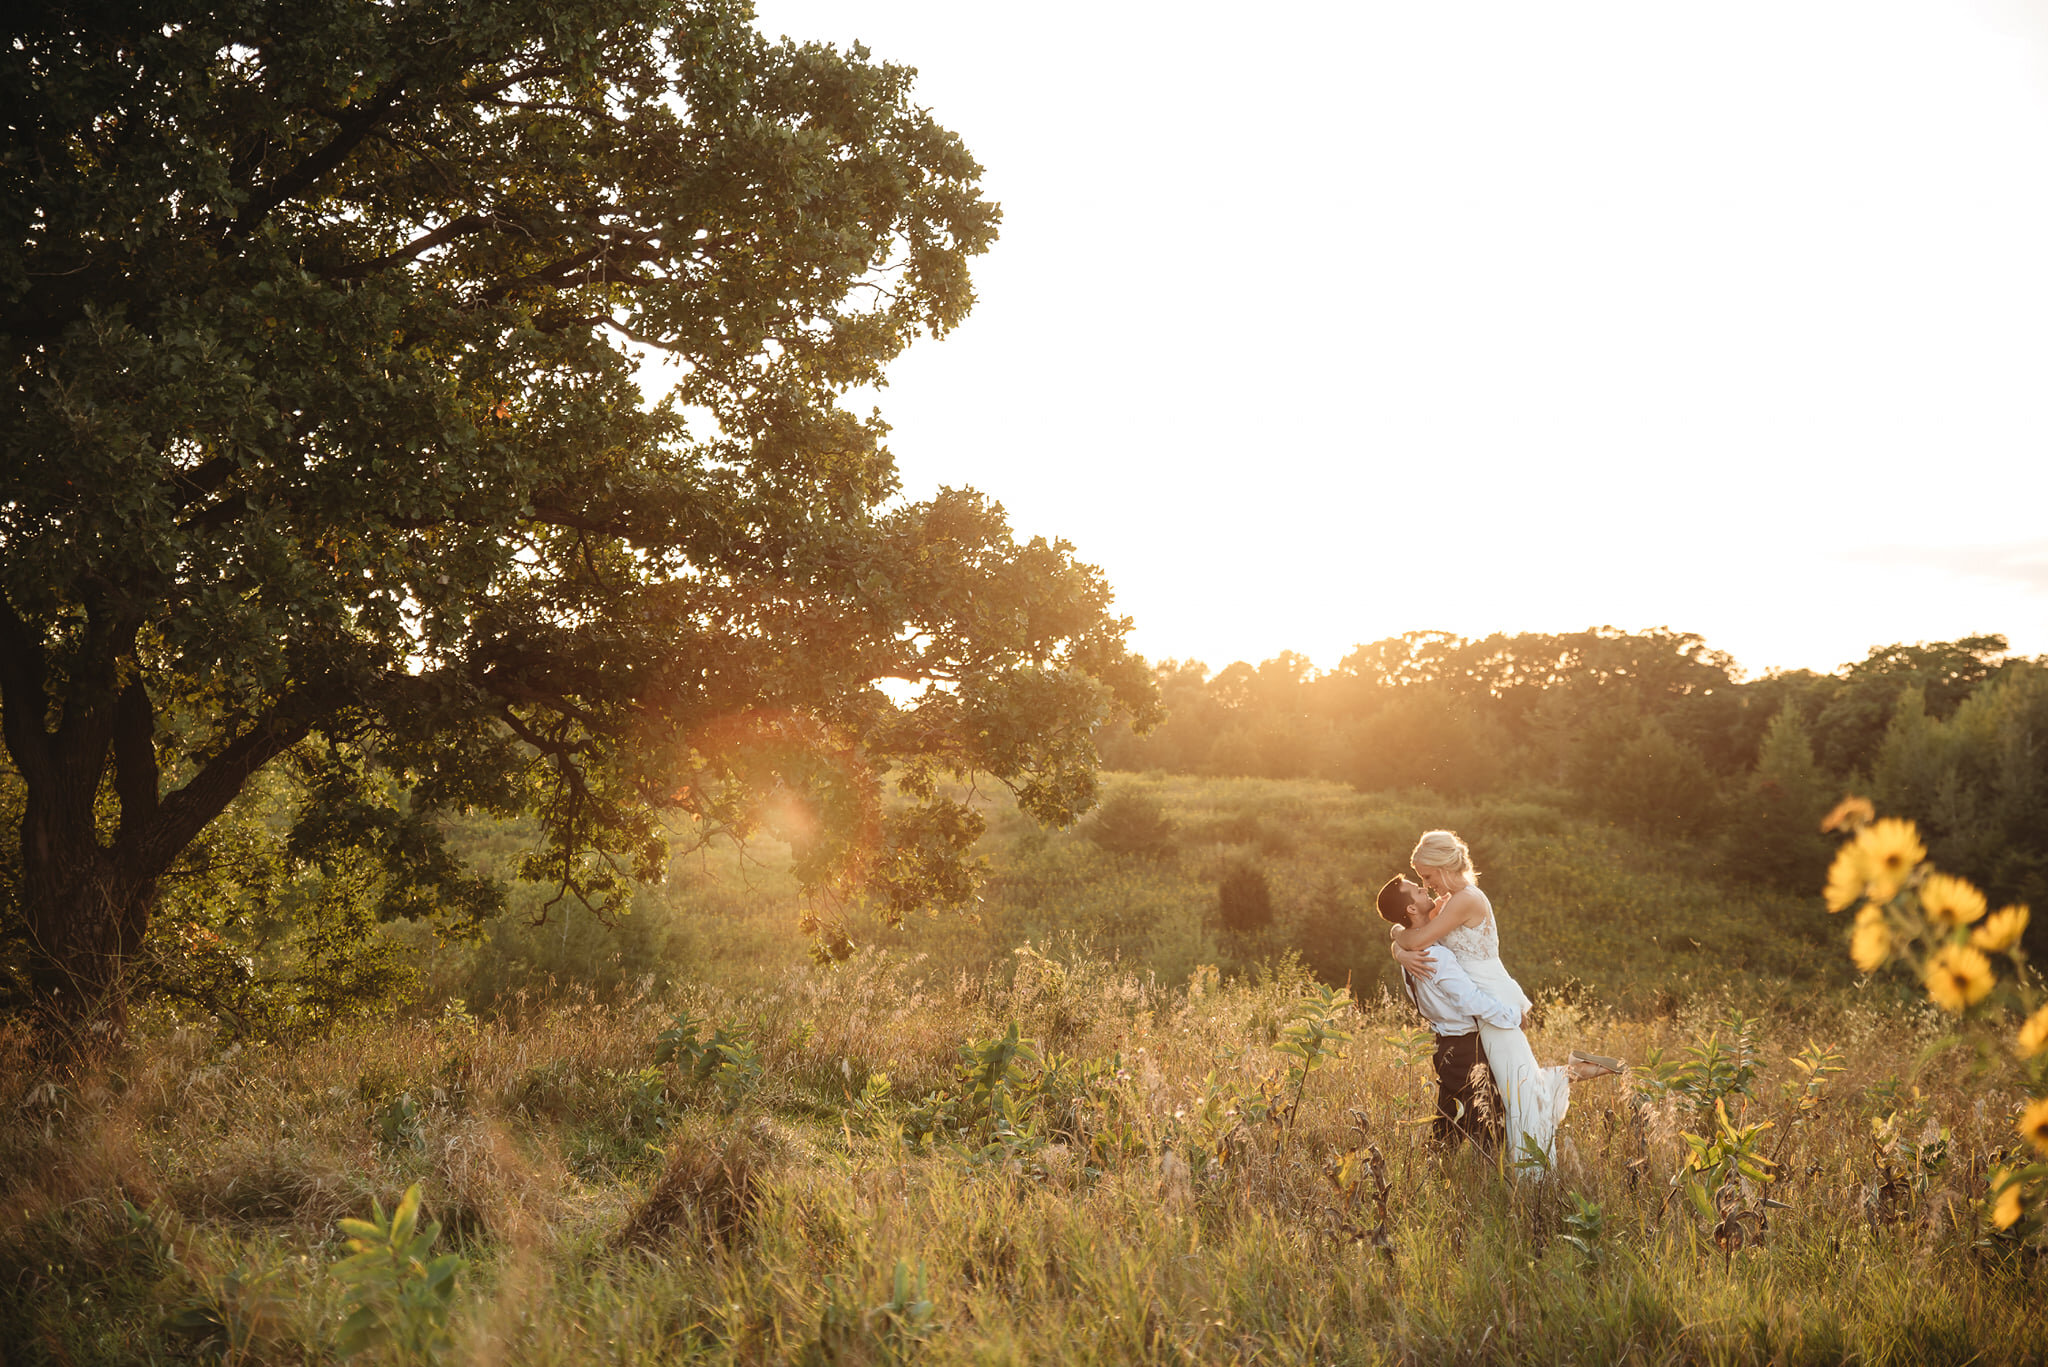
(1469, 904)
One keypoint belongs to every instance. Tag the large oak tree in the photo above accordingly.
(323, 436)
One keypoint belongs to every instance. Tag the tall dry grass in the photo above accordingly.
(613, 1215)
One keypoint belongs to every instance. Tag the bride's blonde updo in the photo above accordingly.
(1443, 850)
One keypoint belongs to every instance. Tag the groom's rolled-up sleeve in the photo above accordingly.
(1455, 990)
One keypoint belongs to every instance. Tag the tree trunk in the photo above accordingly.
(86, 904)
(86, 918)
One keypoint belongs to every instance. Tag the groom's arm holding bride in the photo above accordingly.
(1435, 964)
(1436, 981)
(1447, 993)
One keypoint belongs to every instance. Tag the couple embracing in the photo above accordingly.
(1448, 949)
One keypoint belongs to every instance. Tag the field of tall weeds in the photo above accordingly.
(1055, 1158)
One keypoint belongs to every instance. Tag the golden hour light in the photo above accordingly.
(882, 682)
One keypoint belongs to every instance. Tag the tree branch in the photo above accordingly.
(182, 815)
(203, 480)
(137, 781)
(24, 701)
(566, 271)
(350, 131)
(426, 242)
(86, 725)
(533, 73)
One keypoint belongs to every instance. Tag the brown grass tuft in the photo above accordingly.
(490, 1186)
(713, 1185)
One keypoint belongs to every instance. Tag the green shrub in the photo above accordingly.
(398, 1297)
(1131, 821)
(1244, 899)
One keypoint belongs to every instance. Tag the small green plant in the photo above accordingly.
(994, 1067)
(1816, 1065)
(737, 1069)
(1721, 1177)
(1013, 1132)
(678, 1043)
(1530, 1156)
(931, 1119)
(1711, 1071)
(233, 1317)
(1729, 1152)
(907, 1318)
(397, 1296)
(728, 1060)
(1585, 1231)
(1312, 1039)
(399, 1124)
(866, 1109)
(999, 1080)
(647, 1106)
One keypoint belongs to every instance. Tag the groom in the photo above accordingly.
(1453, 1005)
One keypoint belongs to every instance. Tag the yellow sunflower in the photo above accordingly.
(1846, 878)
(2034, 1034)
(1871, 944)
(1958, 976)
(1891, 850)
(1850, 814)
(2002, 931)
(2033, 1126)
(1949, 900)
(2006, 1213)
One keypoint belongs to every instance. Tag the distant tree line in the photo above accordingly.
(1651, 730)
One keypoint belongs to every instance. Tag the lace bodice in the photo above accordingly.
(1475, 942)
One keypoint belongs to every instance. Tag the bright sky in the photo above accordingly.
(1320, 323)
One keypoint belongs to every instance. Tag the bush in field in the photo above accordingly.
(1336, 938)
(1244, 900)
(1132, 822)
(1934, 924)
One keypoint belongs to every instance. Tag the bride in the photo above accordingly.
(1534, 1097)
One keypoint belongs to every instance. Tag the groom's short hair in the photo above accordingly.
(1393, 901)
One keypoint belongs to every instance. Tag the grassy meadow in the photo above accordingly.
(1082, 1123)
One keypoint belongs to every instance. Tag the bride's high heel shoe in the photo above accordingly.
(1582, 1065)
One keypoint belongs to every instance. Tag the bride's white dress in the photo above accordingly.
(1535, 1097)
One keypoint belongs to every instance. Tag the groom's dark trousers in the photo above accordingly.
(1463, 1110)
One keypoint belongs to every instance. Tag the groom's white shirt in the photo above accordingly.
(1450, 1001)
